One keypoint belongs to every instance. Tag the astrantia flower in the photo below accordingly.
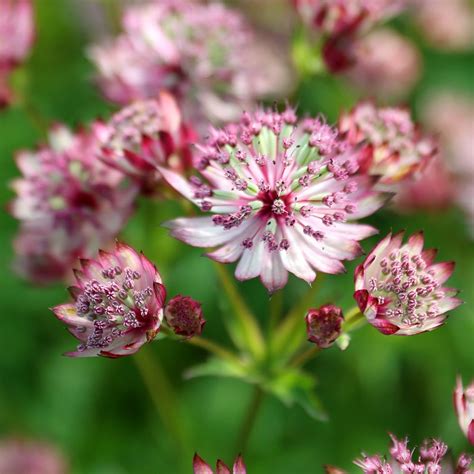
(433, 458)
(18, 456)
(393, 146)
(68, 202)
(196, 50)
(201, 467)
(323, 325)
(340, 22)
(400, 290)
(464, 405)
(146, 134)
(118, 304)
(281, 192)
(16, 38)
(184, 316)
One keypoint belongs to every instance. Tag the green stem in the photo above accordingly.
(214, 348)
(353, 320)
(248, 324)
(249, 420)
(305, 356)
(161, 393)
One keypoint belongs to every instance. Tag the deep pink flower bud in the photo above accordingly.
(400, 290)
(143, 135)
(464, 406)
(324, 325)
(18, 456)
(201, 467)
(118, 304)
(391, 146)
(184, 316)
(283, 197)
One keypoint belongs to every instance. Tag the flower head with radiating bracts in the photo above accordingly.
(324, 325)
(281, 191)
(196, 50)
(118, 304)
(340, 22)
(68, 202)
(399, 288)
(201, 467)
(393, 147)
(464, 406)
(16, 38)
(143, 135)
(433, 458)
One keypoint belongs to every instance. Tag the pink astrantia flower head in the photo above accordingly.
(464, 406)
(196, 50)
(68, 203)
(118, 304)
(20, 456)
(393, 147)
(340, 22)
(146, 134)
(281, 192)
(399, 288)
(324, 325)
(201, 467)
(433, 458)
(184, 316)
(16, 38)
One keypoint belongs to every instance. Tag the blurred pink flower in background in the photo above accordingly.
(282, 192)
(197, 51)
(433, 457)
(446, 24)
(118, 304)
(464, 406)
(19, 456)
(399, 288)
(392, 146)
(17, 32)
(143, 135)
(201, 467)
(68, 203)
(341, 22)
(387, 65)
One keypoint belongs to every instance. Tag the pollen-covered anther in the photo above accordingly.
(278, 207)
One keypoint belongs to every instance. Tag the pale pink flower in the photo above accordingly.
(464, 406)
(392, 147)
(386, 64)
(196, 50)
(143, 135)
(118, 304)
(446, 24)
(399, 288)
(201, 467)
(68, 203)
(16, 38)
(433, 458)
(19, 456)
(324, 325)
(282, 192)
(341, 22)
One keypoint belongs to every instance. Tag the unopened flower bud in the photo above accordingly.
(323, 325)
(184, 316)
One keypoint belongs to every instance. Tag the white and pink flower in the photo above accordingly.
(283, 194)
(201, 467)
(400, 289)
(144, 135)
(118, 304)
(464, 406)
(68, 203)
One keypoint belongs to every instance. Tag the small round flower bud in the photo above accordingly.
(323, 325)
(184, 316)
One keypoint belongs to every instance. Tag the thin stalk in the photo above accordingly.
(248, 324)
(214, 348)
(353, 320)
(305, 356)
(161, 393)
(249, 420)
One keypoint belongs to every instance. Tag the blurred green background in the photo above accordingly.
(99, 412)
